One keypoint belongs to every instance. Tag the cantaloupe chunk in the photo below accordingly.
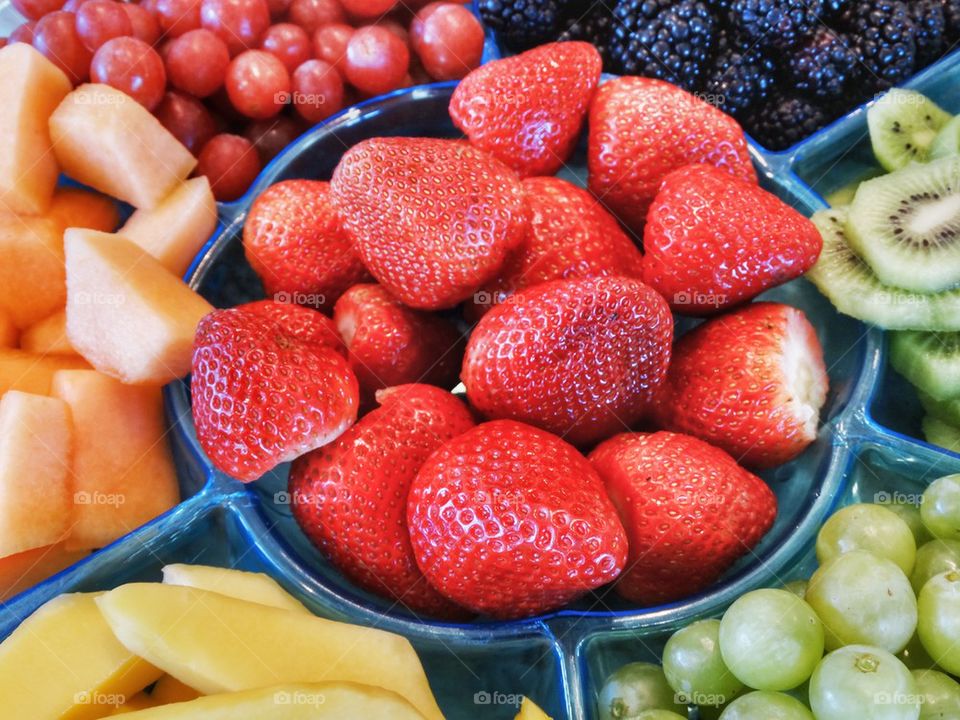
(250, 586)
(48, 337)
(9, 336)
(130, 317)
(170, 690)
(123, 473)
(76, 207)
(31, 90)
(175, 230)
(24, 570)
(31, 270)
(530, 711)
(110, 142)
(35, 447)
(64, 663)
(33, 373)
(181, 631)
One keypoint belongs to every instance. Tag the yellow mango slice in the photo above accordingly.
(530, 711)
(64, 663)
(140, 701)
(170, 690)
(31, 274)
(217, 644)
(48, 337)
(252, 587)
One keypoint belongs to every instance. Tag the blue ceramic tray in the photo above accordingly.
(865, 449)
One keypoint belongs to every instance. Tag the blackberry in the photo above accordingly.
(886, 40)
(834, 8)
(785, 120)
(951, 13)
(668, 39)
(594, 27)
(738, 79)
(931, 23)
(824, 65)
(522, 24)
(779, 24)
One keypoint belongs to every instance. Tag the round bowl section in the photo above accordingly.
(806, 488)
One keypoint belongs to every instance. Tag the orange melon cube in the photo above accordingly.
(175, 230)
(24, 570)
(76, 207)
(31, 271)
(130, 317)
(35, 446)
(48, 337)
(110, 142)
(31, 373)
(123, 473)
(31, 90)
(9, 337)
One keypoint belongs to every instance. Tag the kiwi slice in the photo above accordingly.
(929, 360)
(906, 225)
(947, 141)
(940, 433)
(946, 411)
(903, 125)
(852, 287)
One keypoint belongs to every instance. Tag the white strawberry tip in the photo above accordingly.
(804, 373)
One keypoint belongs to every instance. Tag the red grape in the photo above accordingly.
(101, 20)
(230, 163)
(56, 37)
(288, 42)
(132, 66)
(330, 43)
(197, 62)
(278, 8)
(187, 119)
(395, 27)
(144, 23)
(273, 135)
(177, 16)
(368, 8)
(36, 9)
(239, 23)
(317, 90)
(258, 84)
(449, 40)
(312, 14)
(149, 5)
(23, 33)
(376, 61)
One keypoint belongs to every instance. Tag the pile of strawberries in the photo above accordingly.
(536, 487)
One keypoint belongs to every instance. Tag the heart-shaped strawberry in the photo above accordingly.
(265, 392)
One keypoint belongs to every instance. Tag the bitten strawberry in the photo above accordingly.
(713, 240)
(751, 382)
(570, 235)
(689, 511)
(263, 395)
(350, 497)
(390, 344)
(528, 109)
(302, 322)
(294, 240)
(581, 358)
(641, 129)
(432, 220)
(510, 521)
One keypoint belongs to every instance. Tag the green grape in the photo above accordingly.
(910, 514)
(861, 598)
(915, 656)
(633, 688)
(940, 510)
(766, 705)
(771, 640)
(658, 715)
(863, 683)
(939, 627)
(933, 558)
(940, 693)
(694, 667)
(867, 527)
(797, 587)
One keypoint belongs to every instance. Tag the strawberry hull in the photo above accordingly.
(560, 659)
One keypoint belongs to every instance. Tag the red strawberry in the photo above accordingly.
(350, 497)
(641, 129)
(390, 344)
(689, 511)
(581, 358)
(301, 322)
(570, 235)
(263, 395)
(294, 240)
(751, 382)
(433, 220)
(528, 109)
(713, 240)
(510, 521)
